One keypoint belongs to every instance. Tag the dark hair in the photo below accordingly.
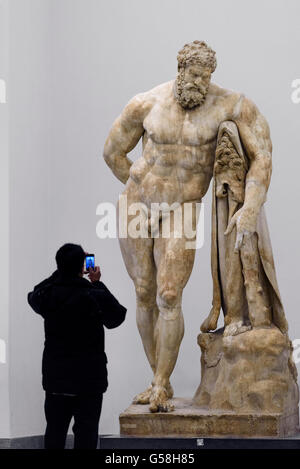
(69, 259)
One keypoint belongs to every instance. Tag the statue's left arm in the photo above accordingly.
(255, 135)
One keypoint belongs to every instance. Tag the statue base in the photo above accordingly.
(188, 420)
(248, 389)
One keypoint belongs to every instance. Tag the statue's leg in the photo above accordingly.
(138, 258)
(174, 265)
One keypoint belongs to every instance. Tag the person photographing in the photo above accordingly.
(74, 365)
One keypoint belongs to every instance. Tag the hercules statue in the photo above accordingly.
(179, 122)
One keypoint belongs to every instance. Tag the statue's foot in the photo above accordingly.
(159, 400)
(211, 322)
(235, 328)
(170, 391)
(144, 397)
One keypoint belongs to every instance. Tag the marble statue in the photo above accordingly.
(193, 130)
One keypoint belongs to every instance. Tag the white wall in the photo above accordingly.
(4, 232)
(75, 64)
(29, 230)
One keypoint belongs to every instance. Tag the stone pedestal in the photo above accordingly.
(248, 389)
(252, 372)
(188, 420)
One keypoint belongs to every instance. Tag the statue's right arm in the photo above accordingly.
(124, 136)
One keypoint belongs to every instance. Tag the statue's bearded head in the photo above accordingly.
(196, 63)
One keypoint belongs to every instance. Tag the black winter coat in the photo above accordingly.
(74, 312)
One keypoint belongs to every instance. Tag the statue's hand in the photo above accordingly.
(245, 220)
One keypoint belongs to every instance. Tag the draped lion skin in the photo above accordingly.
(178, 122)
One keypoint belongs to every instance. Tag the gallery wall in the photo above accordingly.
(29, 231)
(74, 66)
(4, 210)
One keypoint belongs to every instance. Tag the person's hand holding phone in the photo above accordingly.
(89, 262)
(94, 274)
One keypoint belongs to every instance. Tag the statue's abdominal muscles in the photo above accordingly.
(173, 172)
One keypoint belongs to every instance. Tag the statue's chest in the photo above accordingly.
(167, 125)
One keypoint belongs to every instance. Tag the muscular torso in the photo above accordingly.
(178, 146)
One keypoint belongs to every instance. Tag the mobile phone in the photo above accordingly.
(89, 261)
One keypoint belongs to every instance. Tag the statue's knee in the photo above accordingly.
(144, 292)
(169, 303)
(168, 297)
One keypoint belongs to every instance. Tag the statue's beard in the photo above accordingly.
(188, 95)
